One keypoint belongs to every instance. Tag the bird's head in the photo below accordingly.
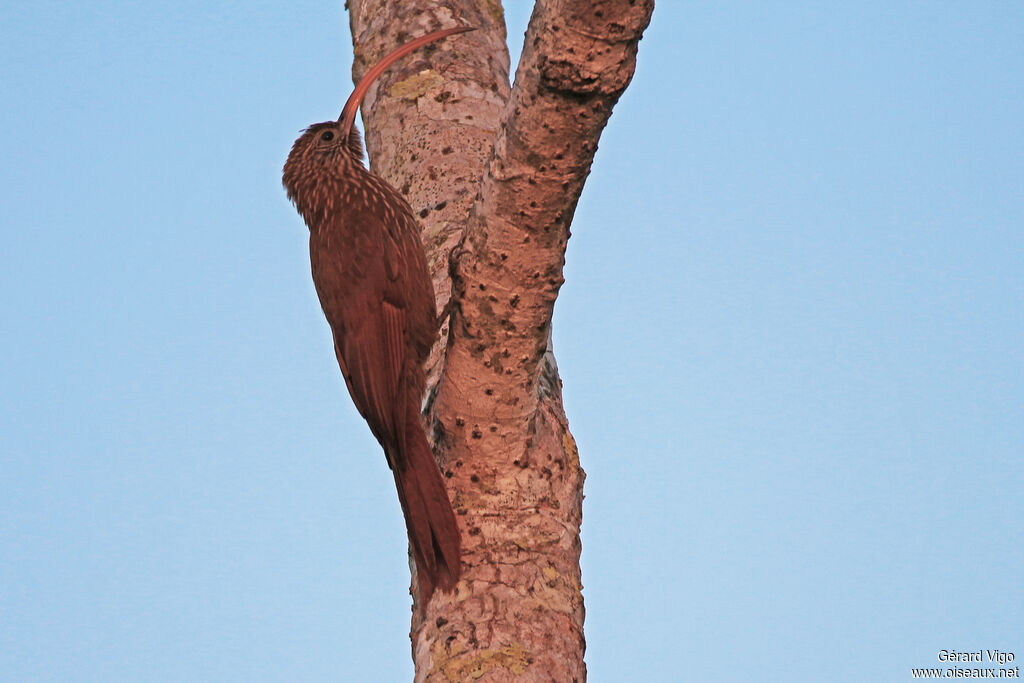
(327, 152)
(318, 160)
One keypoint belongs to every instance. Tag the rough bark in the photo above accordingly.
(494, 174)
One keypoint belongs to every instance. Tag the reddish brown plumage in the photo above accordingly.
(370, 272)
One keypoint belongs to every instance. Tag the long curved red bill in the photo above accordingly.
(348, 114)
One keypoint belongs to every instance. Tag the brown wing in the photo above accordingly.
(410, 282)
(371, 358)
(371, 280)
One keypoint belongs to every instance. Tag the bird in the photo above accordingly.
(370, 273)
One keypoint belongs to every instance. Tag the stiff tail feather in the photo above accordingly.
(429, 517)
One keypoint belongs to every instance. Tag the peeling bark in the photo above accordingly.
(494, 174)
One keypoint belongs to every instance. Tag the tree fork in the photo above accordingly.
(494, 174)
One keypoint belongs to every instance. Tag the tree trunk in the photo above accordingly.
(494, 174)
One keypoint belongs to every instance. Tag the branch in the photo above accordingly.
(578, 58)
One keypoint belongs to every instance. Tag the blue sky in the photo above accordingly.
(790, 336)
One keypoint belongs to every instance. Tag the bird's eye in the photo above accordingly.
(327, 135)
